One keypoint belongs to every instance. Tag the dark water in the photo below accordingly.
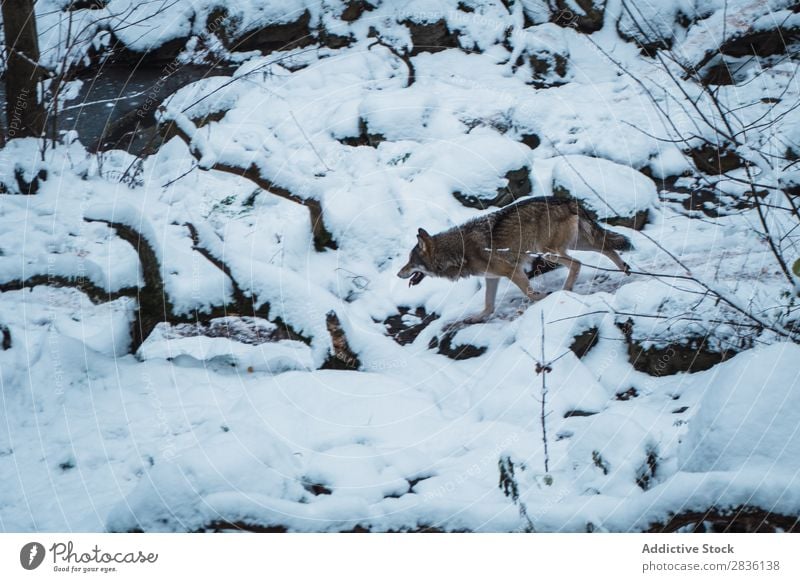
(114, 107)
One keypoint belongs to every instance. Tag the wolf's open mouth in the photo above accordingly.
(416, 277)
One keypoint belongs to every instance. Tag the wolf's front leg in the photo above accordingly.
(520, 279)
(488, 309)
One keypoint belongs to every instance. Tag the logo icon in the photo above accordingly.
(31, 555)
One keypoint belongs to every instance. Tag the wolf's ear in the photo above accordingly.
(424, 239)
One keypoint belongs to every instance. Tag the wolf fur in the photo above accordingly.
(506, 242)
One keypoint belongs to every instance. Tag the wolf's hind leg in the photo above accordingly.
(617, 260)
(488, 309)
(574, 266)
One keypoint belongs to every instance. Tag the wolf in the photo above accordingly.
(506, 242)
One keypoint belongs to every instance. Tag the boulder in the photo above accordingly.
(611, 192)
(583, 15)
(430, 37)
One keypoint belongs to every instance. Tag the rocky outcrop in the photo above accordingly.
(547, 54)
(613, 193)
(651, 25)
(447, 346)
(584, 341)
(430, 37)
(274, 37)
(519, 185)
(690, 354)
(405, 326)
(715, 160)
(583, 15)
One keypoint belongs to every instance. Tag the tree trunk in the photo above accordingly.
(25, 115)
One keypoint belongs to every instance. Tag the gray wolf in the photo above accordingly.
(505, 243)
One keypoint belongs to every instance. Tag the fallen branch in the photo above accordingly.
(322, 236)
(154, 305)
(238, 295)
(95, 293)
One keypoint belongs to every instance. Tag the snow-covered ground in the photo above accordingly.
(219, 429)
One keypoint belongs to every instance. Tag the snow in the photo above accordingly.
(231, 352)
(225, 417)
(749, 417)
(607, 188)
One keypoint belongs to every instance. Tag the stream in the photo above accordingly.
(105, 110)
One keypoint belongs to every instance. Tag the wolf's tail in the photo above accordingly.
(612, 240)
(597, 237)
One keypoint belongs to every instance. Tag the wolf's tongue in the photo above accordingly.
(416, 277)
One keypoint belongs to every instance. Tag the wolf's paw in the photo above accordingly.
(478, 317)
(535, 296)
(626, 269)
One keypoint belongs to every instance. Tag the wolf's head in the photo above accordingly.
(432, 256)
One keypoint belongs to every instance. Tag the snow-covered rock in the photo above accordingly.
(749, 415)
(615, 193)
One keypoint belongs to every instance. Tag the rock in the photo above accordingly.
(86, 5)
(549, 69)
(430, 37)
(274, 37)
(154, 56)
(548, 55)
(790, 183)
(616, 194)
(692, 354)
(651, 25)
(584, 342)
(695, 195)
(354, 9)
(584, 15)
(334, 41)
(627, 394)
(458, 351)
(761, 43)
(220, 24)
(751, 37)
(519, 185)
(718, 72)
(713, 161)
(406, 326)
(531, 140)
